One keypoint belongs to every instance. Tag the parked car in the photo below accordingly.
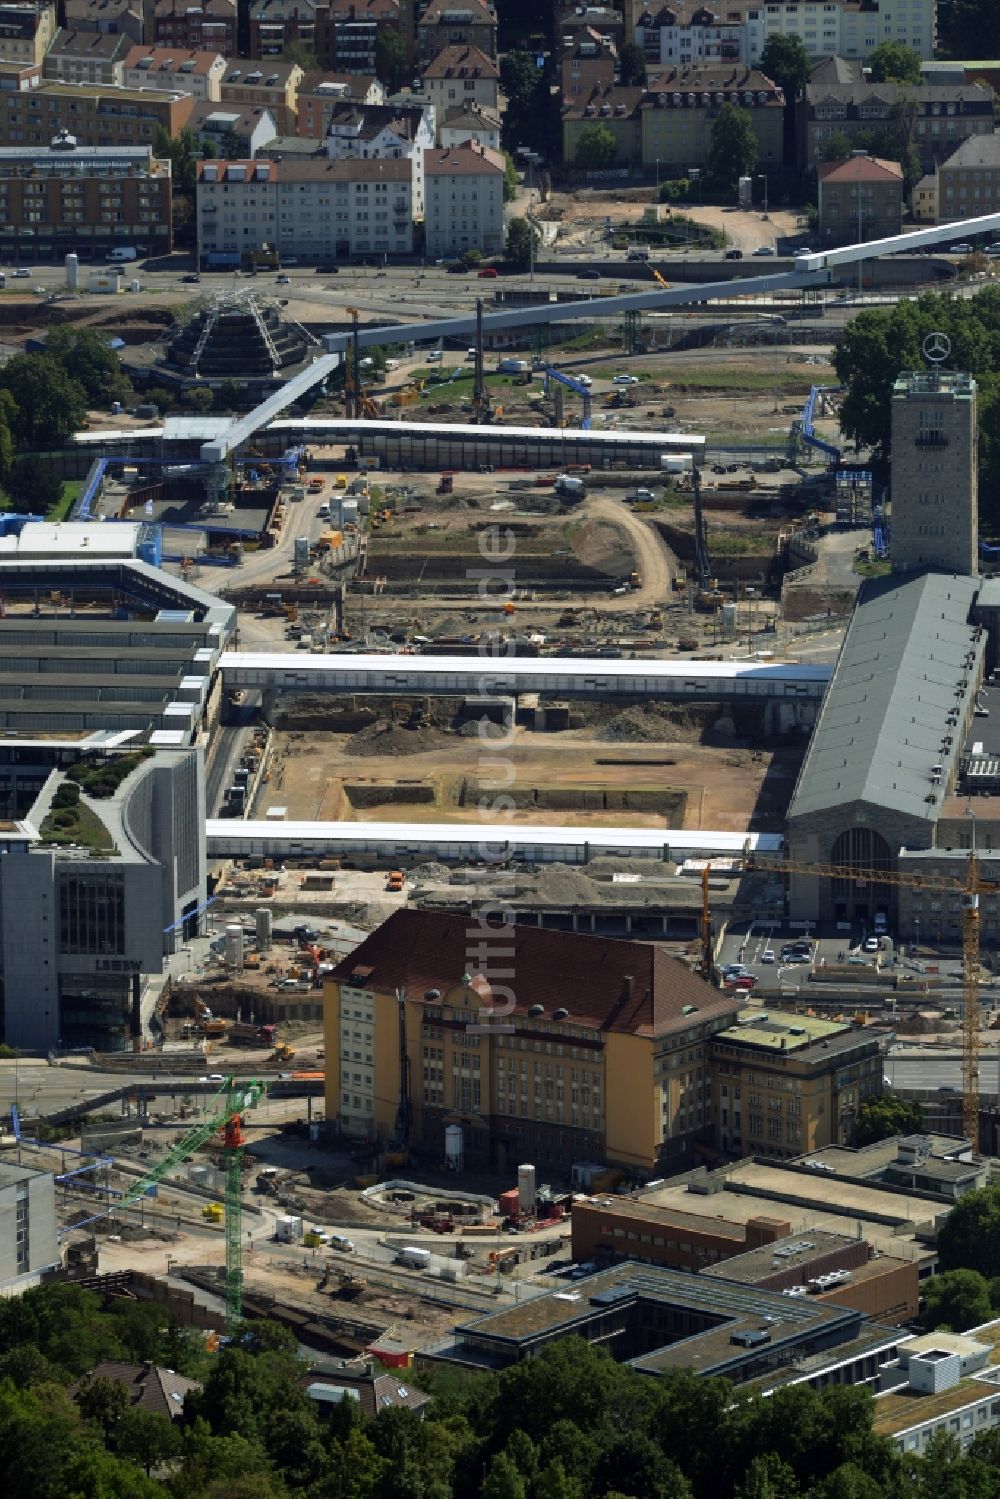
(960, 249)
(21, 271)
(488, 273)
(765, 250)
(870, 944)
(434, 356)
(589, 275)
(625, 380)
(583, 380)
(191, 276)
(767, 956)
(733, 255)
(284, 280)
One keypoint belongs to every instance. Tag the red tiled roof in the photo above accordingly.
(604, 983)
(461, 62)
(149, 1387)
(860, 168)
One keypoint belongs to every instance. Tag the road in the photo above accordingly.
(654, 562)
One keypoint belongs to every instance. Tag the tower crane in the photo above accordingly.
(969, 888)
(230, 1104)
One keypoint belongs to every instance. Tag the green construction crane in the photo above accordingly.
(233, 1100)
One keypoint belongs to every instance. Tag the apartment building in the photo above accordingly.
(110, 17)
(87, 57)
(380, 131)
(968, 181)
(199, 74)
(93, 115)
(29, 1243)
(600, 1054)
(619, 110)
(315, 210)
(587, 60)
(209, 26)
(462, 75)
(348, 31)
(681, 104)
(737, 31)
(449, 23)
(468, 122)
(783, 1085)
(859, 198)
(463, 189)
(940, 118)
(274, 88)
(319, 94)
(26, 32)
(66, 196)
(276, 24)
(237, 131)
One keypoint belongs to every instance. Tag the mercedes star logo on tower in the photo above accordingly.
(936, 347)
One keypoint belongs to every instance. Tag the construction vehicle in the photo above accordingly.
(394, 883)
(213, 1212)
(657, 277)
(267, 1181)
(635, 580)
(969, 889)
(282, 1053)
(446, 484)
(252, 1035)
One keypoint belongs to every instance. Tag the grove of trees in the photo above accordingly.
(570, 1424)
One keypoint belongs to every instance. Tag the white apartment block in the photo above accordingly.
(315, 210)
(463, 190)
(380, 132)
(692, 34)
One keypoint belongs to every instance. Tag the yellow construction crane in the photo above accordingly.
(970, 889)
(659, 278)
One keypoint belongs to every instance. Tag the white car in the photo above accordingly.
(434, 356)
(583, 380)
(625, 380)
(871, 944)
(767, 956)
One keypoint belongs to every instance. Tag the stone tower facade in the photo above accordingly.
(935, 473)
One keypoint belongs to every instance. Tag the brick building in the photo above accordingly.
(449, 23)
(95, 115)
(209, 26)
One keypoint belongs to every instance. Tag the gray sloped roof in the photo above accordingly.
(883, 720)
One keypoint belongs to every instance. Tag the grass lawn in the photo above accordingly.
(70, 494)
(86, 828)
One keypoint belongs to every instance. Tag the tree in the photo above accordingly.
(595, 147)
(786, 61)
(147, 1438)
(182, 152)
(302, 54)
(520, 235)
(231, 146)
(502, 1480)
(881, 1118)
(510, 178)
(892, 62)
(970, 28)
(732, 151)
(631, 66)
(33, 485)
(390, 58)
(49, 405)
(525, 119)
(969, 1238)
(103, 1401)
(88, 358)
(836, 147)
(956, 1300)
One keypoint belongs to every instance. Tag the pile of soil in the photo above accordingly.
(652, 723)
(385, 738)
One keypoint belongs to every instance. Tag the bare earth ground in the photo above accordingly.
(722, 783)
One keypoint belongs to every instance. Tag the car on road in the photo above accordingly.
(589, 275)
(583, 380)
(796, 957)
(191, 276)
(767, 956)
(733, 255)
(960, 249)
(21, 271)
(870, 944)
(284, 280)
(488, 273)
(744, 983)
(213, 1077)
(625, 380)
(434, 357)
(733, 970)
(765, 250)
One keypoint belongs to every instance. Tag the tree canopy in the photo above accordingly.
(569, 1424)
(956, 1300)
(631, 66)
(526, 118)
(892, 62)
(785, 60)
(390, 58)
(970, 28)
(969, 1238)
(520, 234)
(595, 147)
(881, 1118)
(732, 152)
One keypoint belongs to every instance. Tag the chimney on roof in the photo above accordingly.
(629, 986)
